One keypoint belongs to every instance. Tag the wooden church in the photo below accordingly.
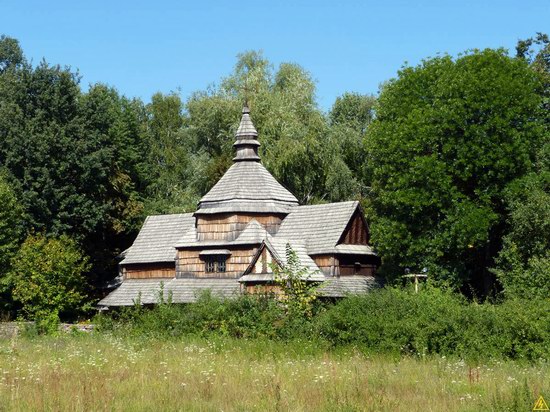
(243, 225)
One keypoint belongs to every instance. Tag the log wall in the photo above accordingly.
(357, 265)
(190, 264)
(229, 226)
(149, 271)
(366, 270)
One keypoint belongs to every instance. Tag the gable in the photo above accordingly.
(357, 231)
(320, 227)
(273, 250)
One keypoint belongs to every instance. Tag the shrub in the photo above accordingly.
(388, 321)
(47, 278)
(438, 322)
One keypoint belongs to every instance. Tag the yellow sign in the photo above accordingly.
(540, 405)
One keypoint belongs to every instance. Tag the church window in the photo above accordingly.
(215, 264)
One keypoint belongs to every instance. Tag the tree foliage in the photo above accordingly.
(450, 161)
(449, 136)
(523, 264)
(11, 233)
(47, 277)
(298, 291)
(76, 157)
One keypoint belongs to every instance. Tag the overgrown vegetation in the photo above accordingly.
(450, 162)
(390, 321)
(298, 291)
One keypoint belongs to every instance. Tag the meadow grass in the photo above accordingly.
(101, 372)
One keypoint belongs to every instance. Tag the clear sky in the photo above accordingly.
(142, 47)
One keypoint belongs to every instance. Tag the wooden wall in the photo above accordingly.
(262, 288)
(190, 264)
(229, 226)
(357, 232)
(357, 265)
(149, 271)
(345, 265)
(326, 263)
(366, 270)
(263, 264)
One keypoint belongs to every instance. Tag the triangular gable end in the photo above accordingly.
(261, 261)
(357, 230)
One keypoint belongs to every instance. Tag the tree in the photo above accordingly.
(168, 157)
(11, 54)
(11, 232)
(449, 136)
(77, 158)
(47, 277)
(11, 223)
(349, 118)
(298, 292)
(292, 128)
(523, 264)
(536, 51)
(353, 110)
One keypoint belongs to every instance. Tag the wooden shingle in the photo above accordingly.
(157, 237)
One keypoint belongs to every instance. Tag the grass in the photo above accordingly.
(106, 373)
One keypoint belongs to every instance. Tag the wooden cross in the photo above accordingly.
(416, 276)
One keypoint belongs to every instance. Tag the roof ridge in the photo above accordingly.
(329, 204)
(169, 214)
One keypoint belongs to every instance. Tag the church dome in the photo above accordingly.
(247, 186)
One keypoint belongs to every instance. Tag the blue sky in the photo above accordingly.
(142, 47)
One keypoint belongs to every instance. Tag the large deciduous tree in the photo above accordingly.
(76, 157)
(293, 131)
(449, 136)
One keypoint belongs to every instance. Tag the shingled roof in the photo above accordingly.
(147, 291)
(278, 247)
(338, 287)
(157, 238)
(247, 186)
(320, 226)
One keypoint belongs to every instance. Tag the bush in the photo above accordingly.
(249, 316)
(438, 322)
(47, 278)
(389, 321)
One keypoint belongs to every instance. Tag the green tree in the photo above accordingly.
(11, 54)
(11, 232)
(77, 157)
(47, 277)
(353, 110)
(298, 292)
(349, 118)
(536, 51)
(168, 156)
(11, 223)
(523, 264)
(449, 136)
(293, 131)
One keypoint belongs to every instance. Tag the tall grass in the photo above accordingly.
(103, 372)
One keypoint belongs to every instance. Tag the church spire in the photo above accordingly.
(247, 143)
